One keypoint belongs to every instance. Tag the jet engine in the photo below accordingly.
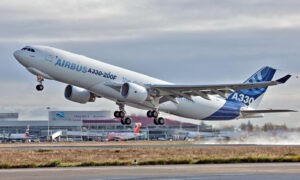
(79, 95)
(134, 92)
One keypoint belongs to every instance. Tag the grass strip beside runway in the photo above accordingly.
(31, 158)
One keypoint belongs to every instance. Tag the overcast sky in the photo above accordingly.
(186, 42)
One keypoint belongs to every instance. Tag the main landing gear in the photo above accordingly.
(157, 120)
(40, 86)
(121, 114)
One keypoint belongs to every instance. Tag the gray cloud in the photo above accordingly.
(46, 21)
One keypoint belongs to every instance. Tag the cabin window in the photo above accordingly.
(28, 49)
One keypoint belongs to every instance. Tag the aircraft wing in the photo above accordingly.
(170, 92)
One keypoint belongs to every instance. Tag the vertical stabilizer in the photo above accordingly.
(252, 97)
(137, 127)
(27, 131)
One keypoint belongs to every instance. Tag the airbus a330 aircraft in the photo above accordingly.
(89, 79)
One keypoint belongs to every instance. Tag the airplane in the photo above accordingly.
(89, 79)
(19, 136)
(125, 135)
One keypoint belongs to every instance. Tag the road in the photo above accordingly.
(216, 171)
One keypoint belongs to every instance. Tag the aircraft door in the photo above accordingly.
(50, 58)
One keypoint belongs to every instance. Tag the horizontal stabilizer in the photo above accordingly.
(266, 111)
(284, 79)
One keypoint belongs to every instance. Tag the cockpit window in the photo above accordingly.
(28, 49)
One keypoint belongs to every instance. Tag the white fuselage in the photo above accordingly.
(122, 136)
(18, 136)
(73, 69)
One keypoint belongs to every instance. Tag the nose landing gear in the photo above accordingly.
(40, 86)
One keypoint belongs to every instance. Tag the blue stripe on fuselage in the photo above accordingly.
(230, 110)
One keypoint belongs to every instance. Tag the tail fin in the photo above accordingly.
(252, 97)
(27, 132)
(137, 127)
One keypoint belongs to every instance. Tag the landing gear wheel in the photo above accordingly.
(121, 114)
(161, 121)
(117, 114)
(39, 87)
(127, 121)
(149, 114)
(123, 121)
(154, 114)
(155, 121)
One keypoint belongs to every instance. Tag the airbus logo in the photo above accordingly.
(84, 69)
(72, 66)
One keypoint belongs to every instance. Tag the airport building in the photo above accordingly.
(92, 124)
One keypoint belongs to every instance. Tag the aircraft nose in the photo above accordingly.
(17, 54)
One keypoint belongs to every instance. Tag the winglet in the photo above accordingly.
(284, 79)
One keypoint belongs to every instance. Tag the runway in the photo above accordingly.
(216, 171)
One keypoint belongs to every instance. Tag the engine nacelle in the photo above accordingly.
(134, 92)
(79, 95)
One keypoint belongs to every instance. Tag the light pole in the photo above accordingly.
(48, 108)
